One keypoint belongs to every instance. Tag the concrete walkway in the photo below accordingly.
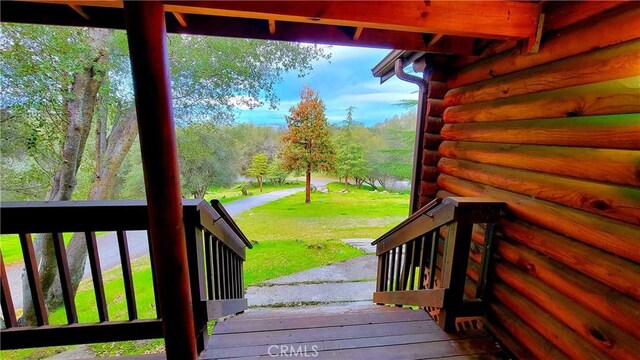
(344, 282)
(139, 243)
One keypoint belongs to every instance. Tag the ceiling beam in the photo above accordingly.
(182, 19)
(485, 19)
(489, 19)
(78, 9)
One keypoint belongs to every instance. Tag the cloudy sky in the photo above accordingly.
(345, 81)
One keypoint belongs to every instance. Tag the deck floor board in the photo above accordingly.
(374, 332)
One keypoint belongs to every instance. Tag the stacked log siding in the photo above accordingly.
(556, 135)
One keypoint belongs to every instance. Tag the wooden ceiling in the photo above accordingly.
(446, 27)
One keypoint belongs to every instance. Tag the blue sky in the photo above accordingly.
(345, 81)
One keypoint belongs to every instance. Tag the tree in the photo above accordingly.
(350, 155)
(206, 158)
(259, 168)
(57, 82)
(277, 173)
(307, 144)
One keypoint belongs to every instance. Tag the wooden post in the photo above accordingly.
(146, 33)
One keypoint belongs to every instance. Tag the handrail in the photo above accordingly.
(408, 257)
(215, 248)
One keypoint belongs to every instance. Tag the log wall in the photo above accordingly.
(556, 135)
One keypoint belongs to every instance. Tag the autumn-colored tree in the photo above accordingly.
(259, 168)
(307, 144)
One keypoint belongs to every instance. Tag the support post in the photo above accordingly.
(146, 33)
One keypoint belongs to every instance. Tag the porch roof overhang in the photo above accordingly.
(441, 27)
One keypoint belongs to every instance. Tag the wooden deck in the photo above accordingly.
(365, 332)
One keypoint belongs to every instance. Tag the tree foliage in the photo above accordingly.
(206, 158)
(277, 172)
(307, 145)
(259, 168)
(350, 161)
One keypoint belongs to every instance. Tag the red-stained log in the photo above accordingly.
(620, 96)
(596, 330)
(611, 166)
(546, 325)
(560, 14)
(620, 310)
(613, 236)
(574, 40)
(583, 131)
(536, 345)
(613, 62)
(613, 201)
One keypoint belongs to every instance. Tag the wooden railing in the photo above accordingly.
(408, 268)
(216, 251)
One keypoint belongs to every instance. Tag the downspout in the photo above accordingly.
(423, 89)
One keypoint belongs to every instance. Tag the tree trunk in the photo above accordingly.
(307, 194)
(78, 110)
(260, 183)
(346, 183)
(115, 149)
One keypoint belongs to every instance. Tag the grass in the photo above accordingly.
(267, 260)
(291, 236)
(11, 251)
(360, 213)
(233, 193)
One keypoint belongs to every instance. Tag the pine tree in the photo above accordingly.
(307, 144)
(350, 156)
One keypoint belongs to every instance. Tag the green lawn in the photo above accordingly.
(291, 236)
(360, 213)
(267, 260)
(11, 251)
(233, 193)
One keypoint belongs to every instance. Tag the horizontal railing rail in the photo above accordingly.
(408, 268)
(212, 238)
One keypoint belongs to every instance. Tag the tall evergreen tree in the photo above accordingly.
(307, 144)
(350, 155)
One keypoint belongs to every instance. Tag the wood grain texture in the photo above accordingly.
(620, 96)
(562, 14)
(620, 274)
(620, 310)
(596, 330)
(536, 345)
(613, 236)
(611, 166)
(613, 62)
(546, 325)
(613, 201)
(603, 131)
(568, 42)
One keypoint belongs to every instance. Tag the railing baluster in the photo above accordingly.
(412, 269)
(380, 272)
(31, 268)
(399, 268)
(156, 290)
(216, 267)
(65, 278)
(241, 279)
(238, 276)
(435, 237)
(225, 272)
(208, 251)
(229, 273)
(387, 275)
(8, 311)
(392, 269)
(126, 275)
(96, 275)
(219, 275)
(421, 264)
